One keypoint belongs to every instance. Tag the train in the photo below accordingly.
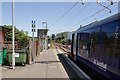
(97, 46)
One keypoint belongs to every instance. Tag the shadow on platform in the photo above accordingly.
(47, 62)
(71, 73)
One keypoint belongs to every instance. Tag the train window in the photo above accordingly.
(83, 45)
(105, 47)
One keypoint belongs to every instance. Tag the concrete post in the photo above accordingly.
(30, 52)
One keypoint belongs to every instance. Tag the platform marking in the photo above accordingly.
(59, 51)
(65, 75)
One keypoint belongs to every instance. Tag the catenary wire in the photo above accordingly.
(92, 15)
(64, 14)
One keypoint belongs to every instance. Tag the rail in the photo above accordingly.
(64, 48)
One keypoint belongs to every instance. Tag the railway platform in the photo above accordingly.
(47, 66)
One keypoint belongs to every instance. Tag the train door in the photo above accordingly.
(83, 45)
(74, 48)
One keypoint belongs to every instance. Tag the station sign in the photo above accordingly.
(33, 30)
(16, 54)
(33, 22)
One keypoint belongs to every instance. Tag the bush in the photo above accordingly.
(20, 36)
(63, 42)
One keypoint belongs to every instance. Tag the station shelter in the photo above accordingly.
(42, 36)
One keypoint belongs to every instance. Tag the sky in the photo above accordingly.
(50, 12)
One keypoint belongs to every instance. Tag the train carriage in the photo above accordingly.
(97, 45)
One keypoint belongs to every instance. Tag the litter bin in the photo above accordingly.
(2, 55)
(20, 59)
(4, 52)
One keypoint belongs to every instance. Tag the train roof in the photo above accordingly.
(111, 18)
(106, 20)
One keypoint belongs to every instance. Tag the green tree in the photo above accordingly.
(53, 36)
(20, 36)
(61, 37)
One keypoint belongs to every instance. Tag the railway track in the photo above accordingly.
(62, 47)
(83, 67)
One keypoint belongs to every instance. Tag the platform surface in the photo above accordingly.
(47, 65)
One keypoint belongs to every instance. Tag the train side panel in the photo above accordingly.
(99, 47)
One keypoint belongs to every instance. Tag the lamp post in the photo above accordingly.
(13, 37)
(44, 24)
